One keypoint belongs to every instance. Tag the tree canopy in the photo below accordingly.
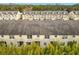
(38, 7)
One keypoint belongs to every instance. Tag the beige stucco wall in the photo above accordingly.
(40, 16)
(45, 17)
(40, 38)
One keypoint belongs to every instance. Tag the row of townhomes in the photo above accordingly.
(9, 15)
(39, 15)
(41, 32)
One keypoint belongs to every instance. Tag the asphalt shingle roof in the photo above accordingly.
(24, 27)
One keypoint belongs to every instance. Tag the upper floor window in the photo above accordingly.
(47, 36)
(11, 36)
(64, 37)
(73, 35)
(29, 36)
(20, 35)
(37, 35)
(2, 35)
(55, 35)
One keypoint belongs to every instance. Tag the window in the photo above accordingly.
(55, 35)
(51, 42)
(2, 35)
(20, 35)
(44, 43)
(11, 36)
(11, 43)
(20, 43)
(37, 35)
(54, 42)
(29, 36)
(37, 42)
(28, 43)
(73, 35)
(62, 43)
(64, 37)
(3, 43)
(47, 36)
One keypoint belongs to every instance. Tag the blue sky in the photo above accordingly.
(39, 1)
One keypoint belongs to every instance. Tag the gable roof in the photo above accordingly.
(45, 12)
(9, 12)
(25, 27)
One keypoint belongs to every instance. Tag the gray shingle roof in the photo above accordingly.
(8, 12)
(25, 27)
(45, 12)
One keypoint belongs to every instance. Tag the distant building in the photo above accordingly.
(45, 32)
(35, 30)
(45, 15)
(74, 15)
(10, 15)
(39, 15)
